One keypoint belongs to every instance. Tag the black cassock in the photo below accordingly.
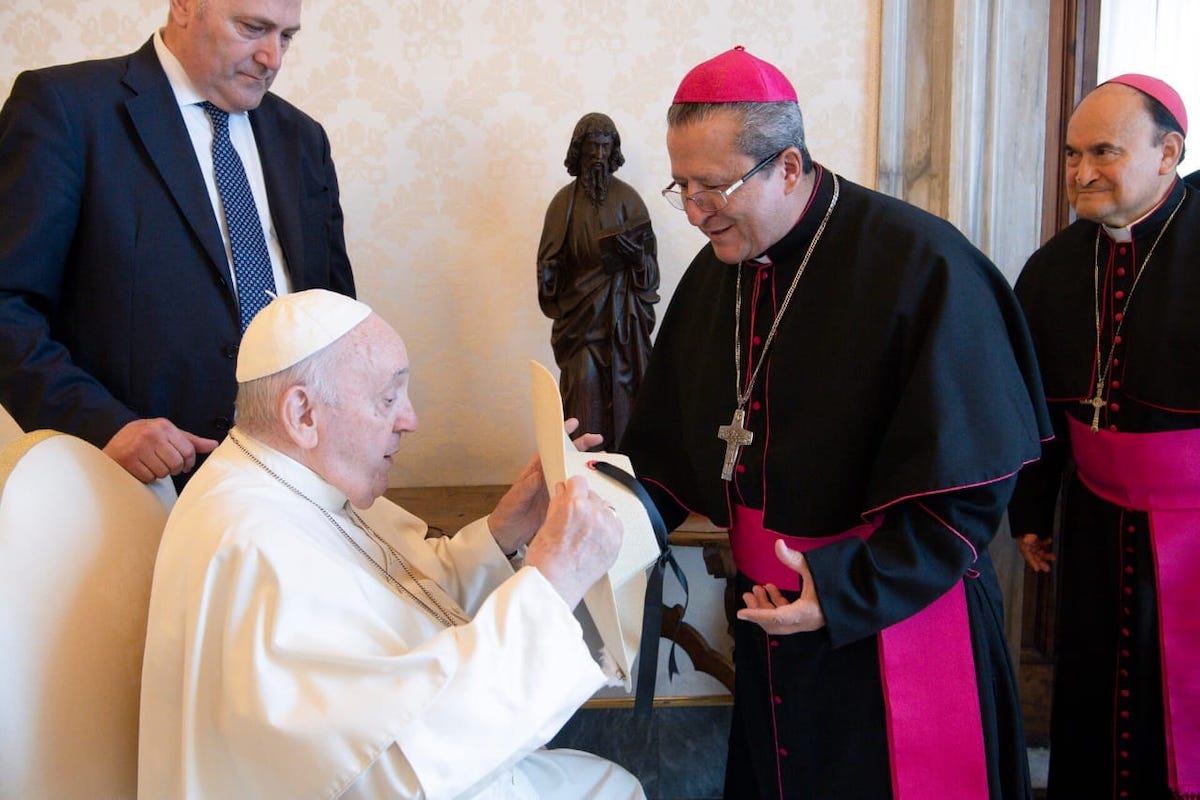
(1107, 717)
(901, 381)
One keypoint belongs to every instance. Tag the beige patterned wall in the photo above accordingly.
(449, 123)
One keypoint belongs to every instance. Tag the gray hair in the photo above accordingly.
(255, 407)
(767, 128)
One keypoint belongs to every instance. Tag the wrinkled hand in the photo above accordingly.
(149, 449)
(1037, 552)
(522, 509)
(770, 610)
(578, 542)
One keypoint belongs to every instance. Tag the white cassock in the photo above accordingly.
(281, 664)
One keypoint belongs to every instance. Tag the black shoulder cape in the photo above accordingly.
(903, 367)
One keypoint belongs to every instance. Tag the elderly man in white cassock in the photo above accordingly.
(306, 640)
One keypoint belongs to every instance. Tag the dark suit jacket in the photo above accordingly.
(115, 298)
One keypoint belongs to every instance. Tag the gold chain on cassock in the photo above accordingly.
(735, 434)
(436, 610)
(1104, 370)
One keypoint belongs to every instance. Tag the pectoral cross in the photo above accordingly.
(1096, 403)
(734, 435)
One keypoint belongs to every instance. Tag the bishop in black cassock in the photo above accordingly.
(897, 398)
(1112, 306)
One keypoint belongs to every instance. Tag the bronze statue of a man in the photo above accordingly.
(598, 280)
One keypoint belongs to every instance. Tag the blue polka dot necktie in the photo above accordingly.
(251, 261)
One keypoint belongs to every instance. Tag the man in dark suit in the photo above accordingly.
(119, 310)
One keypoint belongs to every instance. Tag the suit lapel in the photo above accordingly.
(156, 118)
(279, 152)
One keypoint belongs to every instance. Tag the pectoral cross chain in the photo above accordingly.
(734, 435)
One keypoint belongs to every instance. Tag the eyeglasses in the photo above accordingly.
(710, 200)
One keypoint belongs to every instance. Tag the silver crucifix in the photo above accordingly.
(735, 436)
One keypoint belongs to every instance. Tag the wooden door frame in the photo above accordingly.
(1071, 73)
(1073, 64)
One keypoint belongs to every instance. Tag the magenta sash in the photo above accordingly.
(1159, 473)
(931, 698)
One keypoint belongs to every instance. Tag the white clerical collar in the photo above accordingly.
(303, 479)
(1121, 235)
(1125, 234)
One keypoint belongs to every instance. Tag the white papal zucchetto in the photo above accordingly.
(293, 327)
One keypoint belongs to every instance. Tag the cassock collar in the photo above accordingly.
(307, 482)
(1154, 219)
(794, 241)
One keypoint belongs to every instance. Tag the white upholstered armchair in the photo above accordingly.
(78, 538)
